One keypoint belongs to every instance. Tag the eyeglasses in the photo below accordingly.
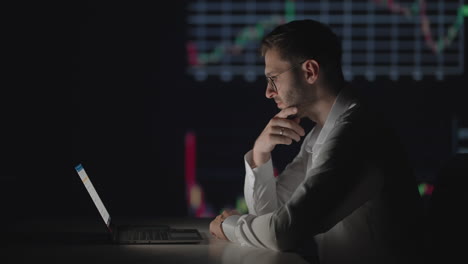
(271, 79)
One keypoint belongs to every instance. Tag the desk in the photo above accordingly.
(84, 241)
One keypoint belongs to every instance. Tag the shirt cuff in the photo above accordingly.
(264, 172)
(229, 225)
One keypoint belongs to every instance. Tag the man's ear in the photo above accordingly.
(311, 69)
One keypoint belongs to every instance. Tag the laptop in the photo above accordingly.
(137, 234)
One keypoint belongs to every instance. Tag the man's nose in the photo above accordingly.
(270, 91)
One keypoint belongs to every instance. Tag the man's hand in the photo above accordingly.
(216, 228)
(280, 130)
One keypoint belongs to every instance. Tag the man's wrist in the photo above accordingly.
(259, 158)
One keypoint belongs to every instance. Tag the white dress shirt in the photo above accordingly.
(349, 188)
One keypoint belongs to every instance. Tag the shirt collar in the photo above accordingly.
(344, 101)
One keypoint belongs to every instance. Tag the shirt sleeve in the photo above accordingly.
(333, 188)
(259, 187)
(250, 230)
(229, 225)
(294, 173)
(263, 191)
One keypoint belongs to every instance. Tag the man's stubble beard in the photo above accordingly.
(302, 96)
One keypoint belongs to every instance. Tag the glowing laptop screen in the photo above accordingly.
(94, 195)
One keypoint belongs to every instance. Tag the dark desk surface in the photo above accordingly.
(84, 241)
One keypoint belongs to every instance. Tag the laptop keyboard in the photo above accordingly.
(146, 234)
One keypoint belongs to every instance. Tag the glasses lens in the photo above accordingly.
(271, 83)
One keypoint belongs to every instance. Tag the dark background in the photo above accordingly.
(132, 103)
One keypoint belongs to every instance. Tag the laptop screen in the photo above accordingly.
(94, 195)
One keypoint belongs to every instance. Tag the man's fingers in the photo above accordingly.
(277, 139)
(216, 228)
(288, 124)
(287, 112)
(225, 214)
(286, 132)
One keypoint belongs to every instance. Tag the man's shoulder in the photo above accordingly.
(357, 112)
(361, 120)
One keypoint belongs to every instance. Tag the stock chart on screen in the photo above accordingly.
(384, 38)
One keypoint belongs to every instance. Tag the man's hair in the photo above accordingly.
(308, 39)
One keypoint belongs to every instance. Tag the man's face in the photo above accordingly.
(290, 87)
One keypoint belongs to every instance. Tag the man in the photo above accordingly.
(349, 188)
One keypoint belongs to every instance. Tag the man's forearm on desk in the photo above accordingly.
(250, 230)
(229, 225)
